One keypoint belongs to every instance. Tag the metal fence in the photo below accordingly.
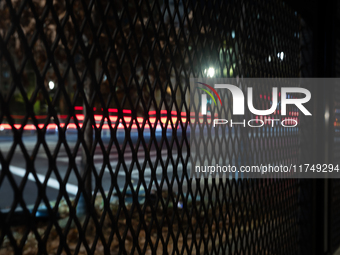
(94, 133)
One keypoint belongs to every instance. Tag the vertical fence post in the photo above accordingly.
(86, 167)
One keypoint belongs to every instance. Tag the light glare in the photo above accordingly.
(211, 72)
(51, 85)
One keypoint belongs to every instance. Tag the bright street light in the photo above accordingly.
(211, 72)
(51, 85)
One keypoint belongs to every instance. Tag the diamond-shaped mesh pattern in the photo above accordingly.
(94, 108)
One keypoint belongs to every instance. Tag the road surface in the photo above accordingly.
(41, 162)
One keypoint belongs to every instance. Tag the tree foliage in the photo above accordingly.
(132, 55)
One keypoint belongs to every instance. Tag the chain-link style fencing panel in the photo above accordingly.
(94, 132)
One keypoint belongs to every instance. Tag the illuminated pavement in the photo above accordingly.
(124, 165)
(18, 165)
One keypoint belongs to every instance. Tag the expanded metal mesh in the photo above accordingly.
(94, 115)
